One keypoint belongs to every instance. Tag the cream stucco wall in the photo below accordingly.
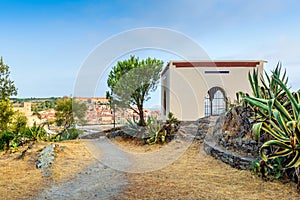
(187, 87)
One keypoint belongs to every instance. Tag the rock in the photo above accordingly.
(253, 142)
(46, 157)
(47, 172)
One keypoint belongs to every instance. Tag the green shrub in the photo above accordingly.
(35, 133)
(272, 168)
(157, 132)
(154, 131)
(5, 139)
(71, 134)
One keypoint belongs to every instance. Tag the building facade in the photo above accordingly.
(191, 90)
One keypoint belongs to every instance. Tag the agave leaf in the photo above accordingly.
(290, 96)
(257, 129)
(272, 132)
(264, 82)
(295, 162)
(282, 110)
(251, 83)
(291, 125)
(255, 80)
(272, 143)
(282, 153)
(298, 117)
(297, 94)
(286, 104)
(297, 147)
(270, 105)
(281, 122)
(261, 103)
(297, 132)
(284, 77)
(277, 129)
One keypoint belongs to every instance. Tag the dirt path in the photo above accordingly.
(94, 182)
(178, 170)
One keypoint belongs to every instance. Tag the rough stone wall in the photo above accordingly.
(236, 161)
(238, 153)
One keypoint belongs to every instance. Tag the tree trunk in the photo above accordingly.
(141, 114)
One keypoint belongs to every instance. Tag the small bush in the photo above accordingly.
(5, 139)
(71, 134)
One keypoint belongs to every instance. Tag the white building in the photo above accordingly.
(191, 90)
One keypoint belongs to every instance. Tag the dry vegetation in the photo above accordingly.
(198, 176)
(193, 176)
(19, 179)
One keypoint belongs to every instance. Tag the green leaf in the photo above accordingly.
(280, 121)
(282, 110)
(270, 105)
(295, 162)
(297, 132)
(261, 103)
(290, 96)
(277, 175)
(276, 135)
(282, 153)
(257, 129)
(275, 143)
(277, 129)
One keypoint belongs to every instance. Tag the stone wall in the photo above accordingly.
(227, 157)
(239, 157)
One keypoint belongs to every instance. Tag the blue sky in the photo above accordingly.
(45, 42)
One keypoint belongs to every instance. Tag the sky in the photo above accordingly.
(46, 42)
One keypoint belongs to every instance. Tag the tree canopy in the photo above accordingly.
(7, 87)
(131, 82)
(68, 112)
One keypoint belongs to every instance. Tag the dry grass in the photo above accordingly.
(198, 176)
(19, 179)
(193, 176)
(134, 145)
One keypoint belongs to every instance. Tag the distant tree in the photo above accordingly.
(7, 87)
(131, 82)
(68, 112)
(19, 123)
(6, 115)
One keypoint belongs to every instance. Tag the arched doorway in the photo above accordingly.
(215, 101)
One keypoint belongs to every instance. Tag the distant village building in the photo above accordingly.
(25, 109)
(191, 90)
(100, 112)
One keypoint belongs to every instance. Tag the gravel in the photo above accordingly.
(94, 182)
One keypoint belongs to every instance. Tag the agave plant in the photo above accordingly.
(270, 88)
(267, 90)
(133, 129)
(280, 122)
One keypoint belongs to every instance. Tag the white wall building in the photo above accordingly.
(191, 90)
